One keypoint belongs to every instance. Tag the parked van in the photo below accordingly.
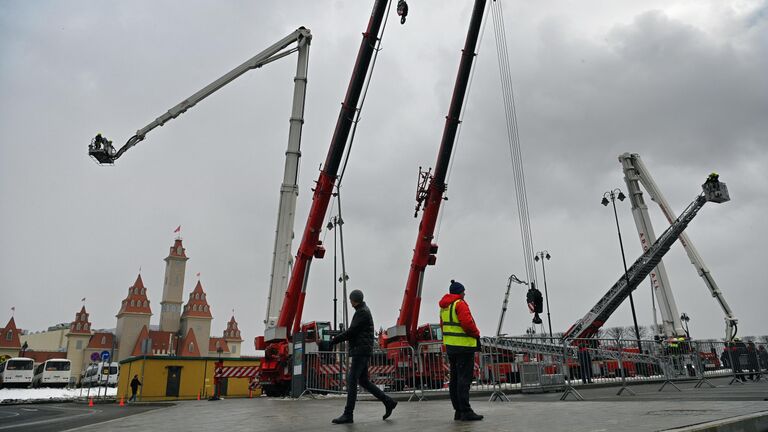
(52, 373)
(100, 374)
(16, 372)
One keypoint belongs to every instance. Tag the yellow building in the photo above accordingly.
(179, 378)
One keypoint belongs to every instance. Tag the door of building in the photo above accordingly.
(174, 381)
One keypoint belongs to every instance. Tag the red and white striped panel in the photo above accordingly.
(237, 371)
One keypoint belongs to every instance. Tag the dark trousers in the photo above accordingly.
(358, 374)
(462, 366)
(133, 394)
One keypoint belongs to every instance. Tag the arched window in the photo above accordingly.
(146, 303)
(144, 291)
(133, 303)
(191, 347)
(103, 340)
(206, 308)
(9, 335)
(197, 296)
(82, 317)
(79, 326)
(86, 326)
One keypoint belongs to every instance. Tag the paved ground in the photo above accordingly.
(650, 410)
(60, 416)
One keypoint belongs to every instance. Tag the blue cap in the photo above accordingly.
(456, 287)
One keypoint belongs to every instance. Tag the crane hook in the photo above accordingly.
(402, 10)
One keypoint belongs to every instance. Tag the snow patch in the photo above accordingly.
(8, 395)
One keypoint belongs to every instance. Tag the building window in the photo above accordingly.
(82, 317)
(103, 340)
(133, 303)
(232, 349)
(79, 327)
(9, 335)
(206, 308)
(146, 303)
(191, 347)
(79, 345)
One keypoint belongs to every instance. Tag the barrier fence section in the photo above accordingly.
(393, 370)
(540, 364)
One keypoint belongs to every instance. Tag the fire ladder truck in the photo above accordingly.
(407, 333)
(103, 152)
(636, 174)
(276, 369)
(588, 326)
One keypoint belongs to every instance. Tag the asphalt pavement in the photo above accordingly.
(61, 416)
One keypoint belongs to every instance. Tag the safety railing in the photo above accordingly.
(505, 365)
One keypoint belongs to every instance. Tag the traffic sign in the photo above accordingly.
(94, 356)
(105, 356)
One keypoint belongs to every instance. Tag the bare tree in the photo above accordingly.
(616, 332)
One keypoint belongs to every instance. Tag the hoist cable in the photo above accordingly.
(513, 136)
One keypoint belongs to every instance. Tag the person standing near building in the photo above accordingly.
(135, 383)
(461, 340)
(360, 338)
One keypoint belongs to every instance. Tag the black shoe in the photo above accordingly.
(457, 415)
(342, 419)
(471, 416)
(389, 406)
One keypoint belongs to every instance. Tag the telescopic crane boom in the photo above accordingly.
(714, 191)
(424, 253)
(636, 174)
(275, 370)
(102, 151)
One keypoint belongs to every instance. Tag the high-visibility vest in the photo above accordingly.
(453, 334)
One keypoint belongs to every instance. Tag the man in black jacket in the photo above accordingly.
(360, 337)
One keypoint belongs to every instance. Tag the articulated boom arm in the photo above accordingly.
(105, 153)
(635, 170)
(589, 325)
(424, 251)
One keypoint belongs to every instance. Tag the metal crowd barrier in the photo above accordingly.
(539, 364)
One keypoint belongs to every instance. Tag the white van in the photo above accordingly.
(52, 373)
(100, 374)
(16, 372)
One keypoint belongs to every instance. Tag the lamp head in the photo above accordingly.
(605, 201)
(621, 196)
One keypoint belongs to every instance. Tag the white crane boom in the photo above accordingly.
(670, 316)
(102, 150)
(635, 171)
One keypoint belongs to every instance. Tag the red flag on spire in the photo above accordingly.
(198, 274)
(178, 229)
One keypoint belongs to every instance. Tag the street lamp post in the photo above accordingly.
(613, 195)
(540, 257)
(685, 318)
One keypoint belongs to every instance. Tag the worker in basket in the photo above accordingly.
(462, 340)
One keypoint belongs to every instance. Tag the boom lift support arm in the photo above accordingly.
(713, 190)
(102, 150)
(424, 253)
(635, 173)
(104, 153)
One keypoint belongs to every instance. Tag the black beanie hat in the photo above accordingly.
(456, 287)
(356, 296)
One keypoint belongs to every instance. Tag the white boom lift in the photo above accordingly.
(636, 174)
(102, 150)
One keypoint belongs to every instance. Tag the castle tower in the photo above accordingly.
(78, 336)
(10, 343)
(173, 287)
(232, 336)
(133, 316)
(197, 316)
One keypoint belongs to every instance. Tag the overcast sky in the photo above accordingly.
(683, 83)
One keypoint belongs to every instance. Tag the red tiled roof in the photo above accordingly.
(197, 305)
(136, 301)
(137, 348)
(161, 342)
(80, 325)
(214, 343)
(41, 356)
(14, 341)
(96, 340)
(177, 250)
(232, 333)
(188, 347)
